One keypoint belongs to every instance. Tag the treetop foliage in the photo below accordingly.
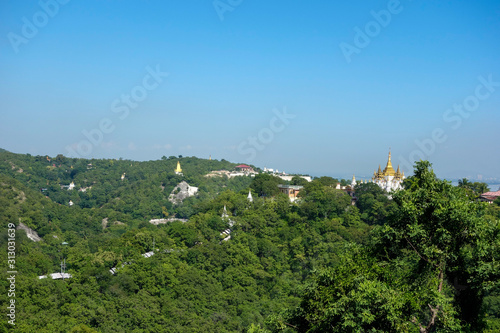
(428, 268)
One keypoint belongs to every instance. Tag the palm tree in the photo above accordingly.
(464, 182)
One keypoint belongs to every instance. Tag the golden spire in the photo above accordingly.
(398, 173)
(389, 163)
(389, 170)
(178, 169)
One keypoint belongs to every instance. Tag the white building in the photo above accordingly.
(57, 276)
(389, 179)
(290, 177)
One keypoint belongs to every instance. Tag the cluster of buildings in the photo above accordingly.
(283, 175)
(241, 170)
(387, 179)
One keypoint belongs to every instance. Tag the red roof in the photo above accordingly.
(490, 195)
(243, 166)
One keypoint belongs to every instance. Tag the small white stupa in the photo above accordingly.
(249, 197)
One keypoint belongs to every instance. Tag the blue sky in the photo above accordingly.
(229, 79)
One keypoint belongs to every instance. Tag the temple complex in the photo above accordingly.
(389, 179)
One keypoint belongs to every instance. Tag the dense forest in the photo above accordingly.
(423, 259)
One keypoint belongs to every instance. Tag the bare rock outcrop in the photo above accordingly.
(182, 191)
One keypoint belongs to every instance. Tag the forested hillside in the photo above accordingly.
(427, 258)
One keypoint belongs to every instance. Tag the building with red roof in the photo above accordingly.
(489, 197)
(244, 167)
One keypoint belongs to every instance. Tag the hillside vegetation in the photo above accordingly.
(425, 261)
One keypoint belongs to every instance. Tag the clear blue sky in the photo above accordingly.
(227, 76)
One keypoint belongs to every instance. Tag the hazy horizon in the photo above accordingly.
(490, 180)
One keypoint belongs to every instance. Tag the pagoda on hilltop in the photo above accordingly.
(389, 179)
(178, 170)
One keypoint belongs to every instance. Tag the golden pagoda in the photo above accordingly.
(389, 170)
(388, 179)
(178, 170)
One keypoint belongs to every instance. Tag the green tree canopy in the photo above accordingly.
(323, 201)
(297, 180)
(477, 188)
(426, 271)
(265, 185)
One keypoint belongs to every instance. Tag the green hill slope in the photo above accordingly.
(194, 277)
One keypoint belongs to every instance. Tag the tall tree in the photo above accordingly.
(442, 229)
(265, 185)
(426, 270)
